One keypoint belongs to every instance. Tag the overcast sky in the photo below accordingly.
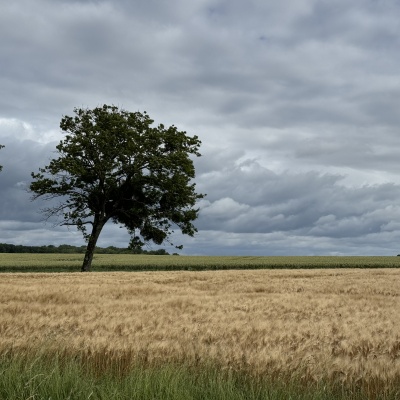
(296, 102)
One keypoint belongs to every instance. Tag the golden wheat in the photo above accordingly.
(333, 324)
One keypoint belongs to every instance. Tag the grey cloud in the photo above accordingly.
(295, 103)
(19, 159)
(280, 243)
(249, 198)
(37, 234)
(250, 183)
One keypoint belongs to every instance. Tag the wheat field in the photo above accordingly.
(337, 325)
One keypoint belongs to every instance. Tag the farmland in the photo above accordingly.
(25, 262)
(322, 328)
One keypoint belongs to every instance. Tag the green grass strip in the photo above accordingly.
(136, 262)
(43, 377)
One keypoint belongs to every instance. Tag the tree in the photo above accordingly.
(114, 165)
(1, 146)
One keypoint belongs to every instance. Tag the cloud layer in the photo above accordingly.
(296, 103)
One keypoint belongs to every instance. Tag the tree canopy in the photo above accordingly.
(115, 165)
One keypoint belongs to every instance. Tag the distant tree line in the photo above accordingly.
(68, 249)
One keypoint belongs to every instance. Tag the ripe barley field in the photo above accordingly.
(340, 327)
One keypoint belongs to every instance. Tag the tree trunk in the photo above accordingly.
(97, 227)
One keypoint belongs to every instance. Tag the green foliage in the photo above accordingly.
(136, 244)
(115, 165)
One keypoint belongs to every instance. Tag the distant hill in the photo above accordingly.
(68, 249)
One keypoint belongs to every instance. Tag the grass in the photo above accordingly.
(58, 377)
(254, 334)
(25, 262)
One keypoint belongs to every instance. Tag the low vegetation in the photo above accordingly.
(261, 334)
(144, 262)
(68, 249)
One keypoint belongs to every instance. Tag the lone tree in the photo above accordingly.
(1, 146)
(114, 165)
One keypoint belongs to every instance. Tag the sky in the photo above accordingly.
(296, 103)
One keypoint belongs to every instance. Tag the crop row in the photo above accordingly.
(135, 262)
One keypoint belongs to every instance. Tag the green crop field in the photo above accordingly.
(25, 262)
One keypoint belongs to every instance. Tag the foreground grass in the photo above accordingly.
(25, 262)
(52, 376)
